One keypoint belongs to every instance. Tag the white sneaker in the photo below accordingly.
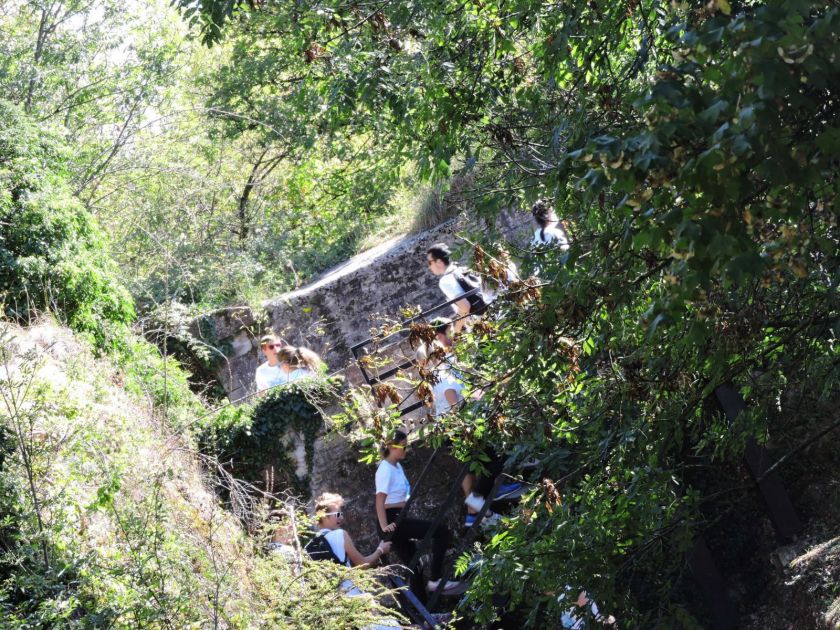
(474, 501)
(489, 520)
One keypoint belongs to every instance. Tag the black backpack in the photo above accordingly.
(469, 281)
(319, 549)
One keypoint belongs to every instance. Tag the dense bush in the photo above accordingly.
(692, 147)
(53, 256)
(260, 438)
(107, 520)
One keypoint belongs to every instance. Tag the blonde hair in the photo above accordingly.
(299, 357)
(325, 501)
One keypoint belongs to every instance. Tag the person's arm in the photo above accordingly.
(261, 384)
(462, 308)
(384, 525)
(357, 559)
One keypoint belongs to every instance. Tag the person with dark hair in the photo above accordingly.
(392, 492)
(298, 362)
(444, 332)
(448, 387)
(270, 373)
(550, 231)
(455, 282)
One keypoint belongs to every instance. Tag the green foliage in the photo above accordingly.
(261, 438)
(690, 148)
(161, 380)
(52, 254)
(104, 523)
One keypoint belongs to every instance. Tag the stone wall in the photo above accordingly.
(336, 311)
(330, 315)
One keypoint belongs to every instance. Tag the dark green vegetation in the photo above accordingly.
(107, 511)
(256, 440)
(693, 149)
(52, 253)
(202, 205)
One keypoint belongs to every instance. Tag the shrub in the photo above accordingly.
(257, 439)
(52, 254)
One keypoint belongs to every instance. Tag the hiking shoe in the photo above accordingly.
(489, 520)
(510, 490)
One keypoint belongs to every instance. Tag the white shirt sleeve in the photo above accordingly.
(383, 477)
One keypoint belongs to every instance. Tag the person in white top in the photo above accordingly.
(297, 363)
(574, 619)
(550, 232)
(447, 391)
(329, 510)
(270, 373)
(448, 394)
(392, 492)
(450, 283)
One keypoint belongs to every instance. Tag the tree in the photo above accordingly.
(53, 254)
(692, 149)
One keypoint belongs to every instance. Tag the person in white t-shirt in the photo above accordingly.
(550, 232)
(392, 492)
(447, 391)
(448, 394)
(270, 373)
(329, 510)
(438, 260)
(573, 618)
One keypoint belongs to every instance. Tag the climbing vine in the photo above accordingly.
(258, 442)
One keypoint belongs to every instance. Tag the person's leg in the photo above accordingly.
(400, 539)
(440, 543)
(468, 484)
(417, 528)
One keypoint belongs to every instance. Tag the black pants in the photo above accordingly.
(492, 469)
(411, 529)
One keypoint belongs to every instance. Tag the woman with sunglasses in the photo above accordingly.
(329, 510)
(392, 492)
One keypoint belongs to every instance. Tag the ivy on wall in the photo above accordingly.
(259, 441)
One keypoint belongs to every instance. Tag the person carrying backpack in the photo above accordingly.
(456, 282)
(333, 543)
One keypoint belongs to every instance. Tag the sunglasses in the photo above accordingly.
(339, 514)
(271, 346)
(399, 446)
